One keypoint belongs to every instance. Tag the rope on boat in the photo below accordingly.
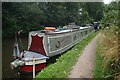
(20, 40)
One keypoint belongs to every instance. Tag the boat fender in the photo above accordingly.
(58, 44)
(16, 63)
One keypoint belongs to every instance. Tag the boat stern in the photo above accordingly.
(25, 64)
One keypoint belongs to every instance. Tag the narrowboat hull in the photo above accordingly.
(28, 69)
(54, 43)
(45, 44)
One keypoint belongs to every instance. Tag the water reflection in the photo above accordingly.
(7, 51)
(7, 58)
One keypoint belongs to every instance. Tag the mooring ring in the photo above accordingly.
(58, 44)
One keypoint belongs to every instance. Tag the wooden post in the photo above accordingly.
(33, 67)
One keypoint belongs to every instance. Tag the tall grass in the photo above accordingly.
(107, 50)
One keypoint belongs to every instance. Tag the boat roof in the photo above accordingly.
(29, 55)
(57, 31)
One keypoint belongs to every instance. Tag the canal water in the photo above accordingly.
(7, 52)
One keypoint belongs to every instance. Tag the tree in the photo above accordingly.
(110, 15)
(95, 10)
(28, 15)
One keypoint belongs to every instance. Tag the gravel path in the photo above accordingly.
(85, 64)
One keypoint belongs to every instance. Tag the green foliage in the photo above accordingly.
(110, 16)
(98, 70)
(28, 16)
(119, 16)
(63, 65)
(95, 10)
(17, 16)
(84, 18)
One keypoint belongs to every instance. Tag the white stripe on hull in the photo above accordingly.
(36, 62)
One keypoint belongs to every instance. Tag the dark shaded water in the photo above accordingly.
(7, 51)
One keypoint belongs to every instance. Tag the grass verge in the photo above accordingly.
(61, 68)
(108, 57)
(97, 73)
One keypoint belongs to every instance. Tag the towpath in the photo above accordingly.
(86, 62)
